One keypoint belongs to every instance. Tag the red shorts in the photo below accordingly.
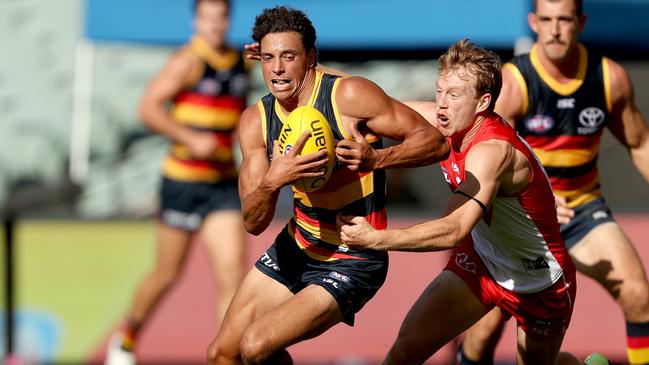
(542, 315)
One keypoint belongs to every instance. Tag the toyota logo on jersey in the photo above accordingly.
(590, 118)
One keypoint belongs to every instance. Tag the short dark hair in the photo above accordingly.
(196, 2)
(284, 19)
(579, 6)
(481, 63)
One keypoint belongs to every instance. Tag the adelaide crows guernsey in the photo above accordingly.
(564, 122)
(213, 104)
(518, 238)
(313, 225)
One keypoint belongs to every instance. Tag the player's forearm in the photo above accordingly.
(437, 235)
(259, 208)
(157, 118)
(422, 147)
(640, 157)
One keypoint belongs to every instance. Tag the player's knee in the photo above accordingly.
(254, 348)
(218, 353)
(634, 298)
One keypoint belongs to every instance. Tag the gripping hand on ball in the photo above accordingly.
(356, 154)
(289, 167)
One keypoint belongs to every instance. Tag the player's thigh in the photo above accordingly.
(305, 315)
(445, 309)
(486, 332)
(607, 255)
(223, 235)
(532, 351)
(172, 245)
(257, 295)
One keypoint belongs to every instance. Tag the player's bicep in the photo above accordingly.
(254, 162)
(485, 165)
(627, 124)
(382, 114)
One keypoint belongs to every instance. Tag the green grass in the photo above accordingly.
(82, 273)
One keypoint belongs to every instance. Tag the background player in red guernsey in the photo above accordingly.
(501, 219)
(205, 83)
(560, 97)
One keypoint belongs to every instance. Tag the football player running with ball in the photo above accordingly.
(307, 280)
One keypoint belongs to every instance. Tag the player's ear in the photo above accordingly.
(531, 21)
(582, 22)
(311, 58)
(483, 103)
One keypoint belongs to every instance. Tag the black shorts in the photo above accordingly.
(185, 205)
(587, 217)
(351, 282)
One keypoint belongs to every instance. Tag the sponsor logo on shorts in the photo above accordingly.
(462, 260)
(338, 276)
(268, 261)
(330, 281)
(535, 264)
(546, 327)
(446, 177)
(600, 214)
(180, 219)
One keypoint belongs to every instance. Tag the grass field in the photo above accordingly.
(73, 279)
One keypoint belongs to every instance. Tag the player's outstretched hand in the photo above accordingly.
(357, 233)
(356, 154)
(564, 214)
(286, 168)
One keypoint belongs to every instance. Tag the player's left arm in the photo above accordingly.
(628, 124)
(487, 164)
(367, 109)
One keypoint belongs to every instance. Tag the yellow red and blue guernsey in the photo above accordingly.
(213, 104)
(313, 225)
(563, 122)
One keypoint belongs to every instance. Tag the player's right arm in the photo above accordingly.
(154, 112)
(260, 180)
(628, 125)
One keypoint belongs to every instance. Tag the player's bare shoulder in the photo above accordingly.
(621, 88)
(250, 128)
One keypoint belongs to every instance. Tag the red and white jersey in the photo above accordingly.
(518, 238)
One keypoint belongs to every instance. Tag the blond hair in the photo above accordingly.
(479, 62)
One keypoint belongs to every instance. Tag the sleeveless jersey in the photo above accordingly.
(564, 122)
(518, 238)
(313, 225)
(214, 104)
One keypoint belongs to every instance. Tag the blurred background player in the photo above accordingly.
(307, 280)
(560, 97)
(196, 101)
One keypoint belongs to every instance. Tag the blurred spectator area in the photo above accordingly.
(39, 39)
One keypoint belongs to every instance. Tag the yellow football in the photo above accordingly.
(302, 119)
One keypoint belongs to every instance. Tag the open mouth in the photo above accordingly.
(442, 119)
(280, 84)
